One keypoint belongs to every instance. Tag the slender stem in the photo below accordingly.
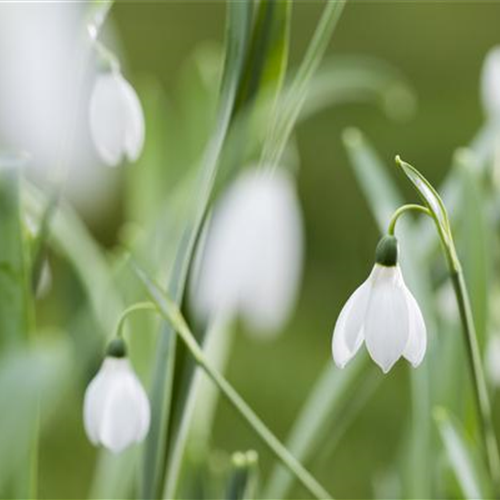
(479, 381)
(169, 310)
(281, 452)
(480, 387)
(139, 306)
(401, 210)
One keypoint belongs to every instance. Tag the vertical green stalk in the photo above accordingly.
(479, 381)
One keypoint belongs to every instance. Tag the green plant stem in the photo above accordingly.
(171, 313)
(401, 210)
(243, 408)
(479, 381)
(138, 306)
(479, 385)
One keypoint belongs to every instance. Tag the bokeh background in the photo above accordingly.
(439, 47)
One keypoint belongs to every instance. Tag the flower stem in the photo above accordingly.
(244, 409)
(169, 310)
(403, 209)
(479, 381)
(480, 387)
(139, 306)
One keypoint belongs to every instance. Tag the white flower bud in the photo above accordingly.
(116, 407)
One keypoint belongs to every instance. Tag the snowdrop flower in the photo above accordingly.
(383, 313)
(116, 118)
(116, 407)
(252, 258)
(490, 82)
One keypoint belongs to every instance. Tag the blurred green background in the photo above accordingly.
(439, 46)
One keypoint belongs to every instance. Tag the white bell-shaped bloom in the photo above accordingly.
(490, 82)
(116, 407)
(116, 119)
(383, 313)
(252, 260)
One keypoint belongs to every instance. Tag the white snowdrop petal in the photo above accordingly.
(143, 411)
(116, 119)
(108, 118)
(417, 341)
(120, 419)
(92, 408)
(386, 326)
(94, 401)
(134, 128)
(490, 82)
(348, 331)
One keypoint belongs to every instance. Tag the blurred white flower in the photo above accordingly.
(383, 313)
(490, 82)
(116, 119)
(116, 407)
(252, 260)
(493, 359)
(47, 69)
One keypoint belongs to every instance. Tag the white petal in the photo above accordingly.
(348, 332)
(116, 119)
(95, 397)
(490, 82)
(135, 129)
(252, 260)
(386, 327)
(126, 413)
(417, 341)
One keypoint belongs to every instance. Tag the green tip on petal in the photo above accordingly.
(386, 253)
(117, 349)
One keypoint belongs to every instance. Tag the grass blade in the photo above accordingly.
(381, 192)
(16, 308)
(28, 377)
(288, 110)
(239, 16)
(467, 471)
(315, 419)
(473, 241)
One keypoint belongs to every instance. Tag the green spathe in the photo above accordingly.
(386, 253)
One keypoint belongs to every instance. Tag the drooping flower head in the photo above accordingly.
(383, 313)
(116, 118)
(252, 260)
(116, 407)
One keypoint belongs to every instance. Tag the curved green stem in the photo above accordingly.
(139, 306)
(401, 210)
(170, 312)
